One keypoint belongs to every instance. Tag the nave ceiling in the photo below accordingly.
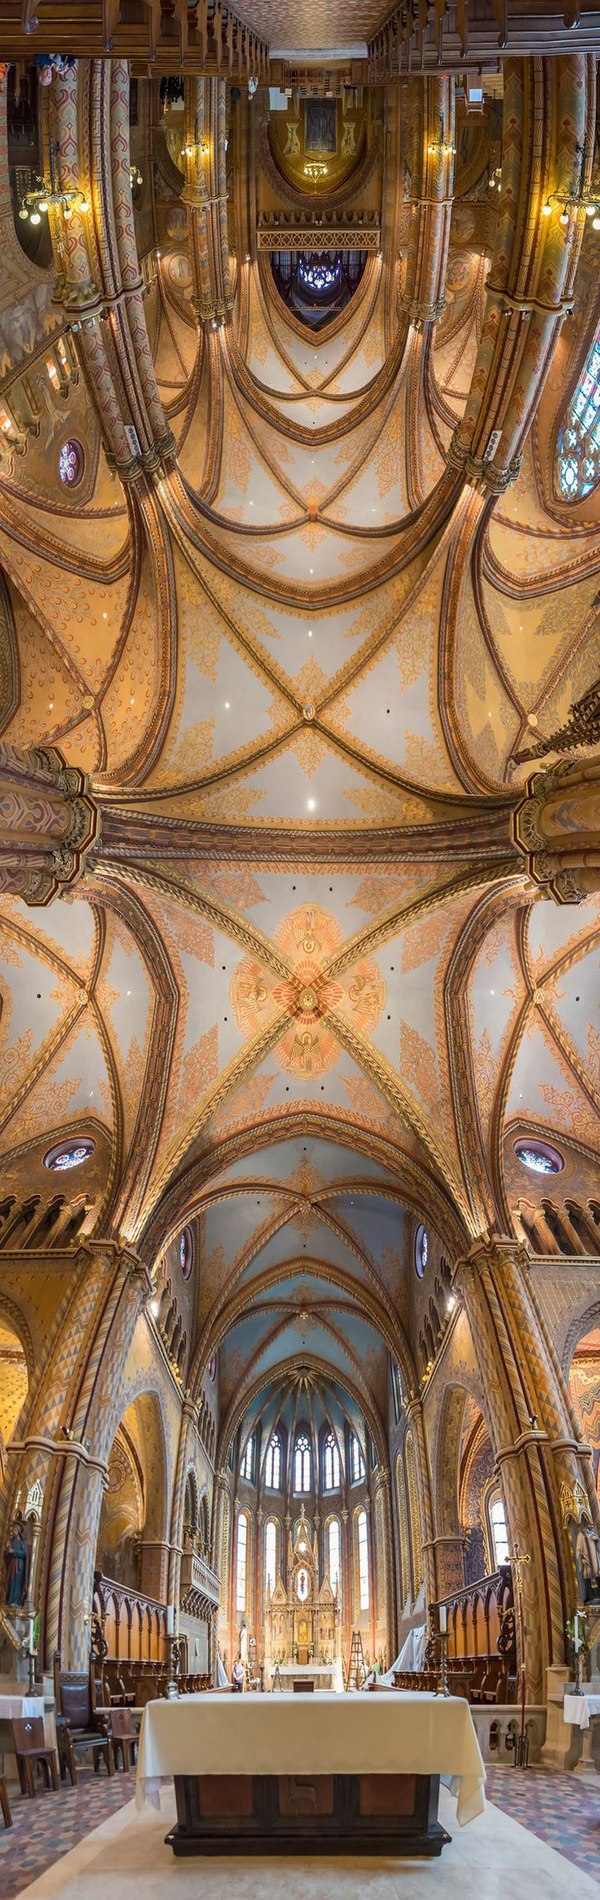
(304, 994)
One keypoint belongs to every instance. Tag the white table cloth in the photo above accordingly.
(579, 1709)
(393, 1733)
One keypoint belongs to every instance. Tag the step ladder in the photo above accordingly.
(357, 1671)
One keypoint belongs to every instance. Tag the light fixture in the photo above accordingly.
(135, 176)
(315, 168)
(41, 198)
(441, 147)
(579, 197)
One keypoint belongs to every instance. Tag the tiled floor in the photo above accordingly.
(495, 1858)
(45, 1829)
(560, 1809)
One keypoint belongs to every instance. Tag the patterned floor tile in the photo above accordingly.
(46, 1828)
(560, 1809)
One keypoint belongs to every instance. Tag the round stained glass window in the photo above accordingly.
(185, 1252)
(421, 1250)
(539, 1157)
(69, 1156)
(70, 464)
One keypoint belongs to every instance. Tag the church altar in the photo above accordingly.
(320, 1774)
(302, 1622)
(323, 1675)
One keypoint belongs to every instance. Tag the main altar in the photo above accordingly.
(303, 1623)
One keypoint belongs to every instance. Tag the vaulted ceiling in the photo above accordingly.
(292, 997)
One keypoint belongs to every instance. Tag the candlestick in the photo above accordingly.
(442, 1681)
(170, 1619)
(443, 1619)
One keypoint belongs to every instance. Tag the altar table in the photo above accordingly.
(322, 1774)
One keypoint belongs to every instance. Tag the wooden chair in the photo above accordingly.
(123, 1739)
(78, 1727)
(5, 1803)
(29, 1743)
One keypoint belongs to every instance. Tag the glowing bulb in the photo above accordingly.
(43, 205)
(35, 217)
(84, 204)
(23, 212)
(596, 224)
(546, 209)
(589, 211)
(564, 217)
(311, 802)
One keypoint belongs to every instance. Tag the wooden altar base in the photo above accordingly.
(393, 1815)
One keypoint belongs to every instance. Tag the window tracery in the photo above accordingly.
(357, 1463)
(362, 1535)
(331, 1464)
(247, 1462)
(273, 1464)
(302, 1463)
(578, 441)
(241, 1559)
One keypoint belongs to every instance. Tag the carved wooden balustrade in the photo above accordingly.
(135, 1629)
(482, 1656)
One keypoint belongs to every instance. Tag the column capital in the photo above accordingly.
(492, 1251)
(556, 825)
(48, 820)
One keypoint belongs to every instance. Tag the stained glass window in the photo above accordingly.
(59, 1159)
(240, 1563)
(302, 1463)
(335, 1562)
(362, 1532)
(273, 1464)
(357, 1463)
(421, 1250)
(270, 1554)
(499, 1532)
(185, 1252)
(70, 464)
(539, 1157)
(331, 1464)
(247, 1464)
(578, 443)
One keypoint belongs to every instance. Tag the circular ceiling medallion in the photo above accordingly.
(185, 1252)
(539, 1157)
(68, 1155)
(308, 996)
(421, 1250)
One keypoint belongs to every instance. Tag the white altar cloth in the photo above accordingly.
(13, 1707)
(579, 1709)
(386, 1734)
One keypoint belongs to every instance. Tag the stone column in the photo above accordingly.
(48, 820)
(414, 1414)
(383, 1543)
(542, 1467)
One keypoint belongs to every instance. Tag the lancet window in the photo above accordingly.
(331, 1465)
(578, 442)
(302, 1463)
(273, 1464)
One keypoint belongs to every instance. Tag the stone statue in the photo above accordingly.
(16, 1566)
